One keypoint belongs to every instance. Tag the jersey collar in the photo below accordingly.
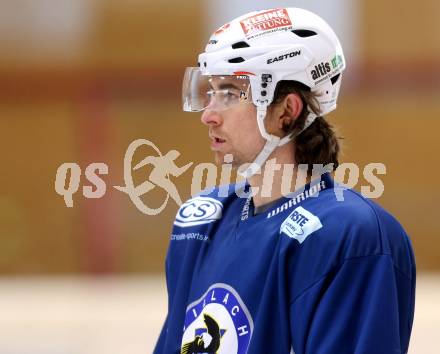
(325, 181)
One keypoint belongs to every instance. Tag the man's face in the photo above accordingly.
(233, 130)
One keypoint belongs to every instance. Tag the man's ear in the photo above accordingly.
(292, 106)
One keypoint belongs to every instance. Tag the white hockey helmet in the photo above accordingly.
(267, 47)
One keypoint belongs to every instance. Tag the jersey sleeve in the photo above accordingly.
(161, 341)
(363, 306)
(160, 344)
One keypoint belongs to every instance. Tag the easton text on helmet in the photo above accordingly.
(285, 56)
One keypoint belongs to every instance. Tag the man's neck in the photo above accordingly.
(268, 190)
(270, 184)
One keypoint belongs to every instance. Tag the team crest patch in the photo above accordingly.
(300, 224)
(217, 323)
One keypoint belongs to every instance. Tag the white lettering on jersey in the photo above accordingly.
(312, 192)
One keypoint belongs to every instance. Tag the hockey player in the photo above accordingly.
(267, 273)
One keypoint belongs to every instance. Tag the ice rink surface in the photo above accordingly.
(123, 315)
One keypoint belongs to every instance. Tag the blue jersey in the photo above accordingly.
(324, 271)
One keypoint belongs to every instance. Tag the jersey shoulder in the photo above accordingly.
(353, 227)
(360, 227)
(394, 239)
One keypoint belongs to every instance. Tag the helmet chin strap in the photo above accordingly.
(272, 142)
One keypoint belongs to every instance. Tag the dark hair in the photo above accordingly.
(317, 144)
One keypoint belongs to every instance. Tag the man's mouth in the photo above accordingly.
(217, 142)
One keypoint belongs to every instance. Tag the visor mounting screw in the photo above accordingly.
(263, 93)
(266, 78)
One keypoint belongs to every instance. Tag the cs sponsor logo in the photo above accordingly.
(198, 211)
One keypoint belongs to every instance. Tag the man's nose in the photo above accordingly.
(211, 117)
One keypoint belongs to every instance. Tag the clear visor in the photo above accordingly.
(216, 92)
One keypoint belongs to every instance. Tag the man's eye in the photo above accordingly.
(232, 94)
